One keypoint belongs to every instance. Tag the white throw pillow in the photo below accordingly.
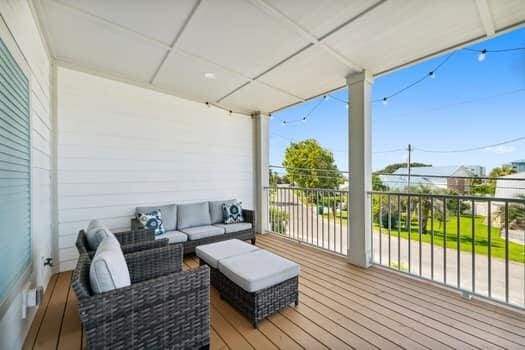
(108, 270)
(96, 232)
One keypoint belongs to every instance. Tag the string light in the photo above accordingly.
(431, 74)
(482, 54)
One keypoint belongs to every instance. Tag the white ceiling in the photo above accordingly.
(265, 54)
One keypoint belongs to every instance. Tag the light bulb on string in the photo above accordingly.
(482, 55)
(385, 100)
(284, 122)
(432, 75)
(304, 120)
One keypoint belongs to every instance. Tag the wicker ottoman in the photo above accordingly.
(254, 281)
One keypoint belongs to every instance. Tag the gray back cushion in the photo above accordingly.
(193, 214)
(96, 232)
(108, 270)
(168, 214)
(216, 214)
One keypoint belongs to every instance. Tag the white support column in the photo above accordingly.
(262, 151)
(360, 166)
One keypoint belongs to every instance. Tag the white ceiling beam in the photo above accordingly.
(115, 25)
(160, 44)
(283, 18)
(175, 41)
(486, 17)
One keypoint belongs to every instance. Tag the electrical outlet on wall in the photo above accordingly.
(31, 298)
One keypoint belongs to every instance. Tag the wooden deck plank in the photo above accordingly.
(71, 332)
(341, 306)
(216, 342)
(257, 339)
(227, 332)
(49, 333)
(471, 328)
(445, 297)
(39, 316)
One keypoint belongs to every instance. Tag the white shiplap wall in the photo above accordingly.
(23, 38)
(120, 146)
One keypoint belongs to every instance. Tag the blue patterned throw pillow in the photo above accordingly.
(152, 220)
(232, 213)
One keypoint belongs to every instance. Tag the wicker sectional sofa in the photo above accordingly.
(195, 224)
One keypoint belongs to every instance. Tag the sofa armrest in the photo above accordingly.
(131, 237)
(136, 225)
(249, 216)
(152, 263)
(137, 247)
(176, 305)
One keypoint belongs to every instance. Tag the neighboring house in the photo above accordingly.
(443, 177)
(518, 165)
(477, 170)
(510, 186)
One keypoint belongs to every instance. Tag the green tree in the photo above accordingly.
(377, 184)
(390, 169)
(489, 187)
(311, 166)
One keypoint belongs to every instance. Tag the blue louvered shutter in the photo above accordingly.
(15, 174)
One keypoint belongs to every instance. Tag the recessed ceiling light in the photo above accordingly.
(209, 75)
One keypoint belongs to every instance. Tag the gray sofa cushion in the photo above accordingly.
(173, 236)
(216, 212)
(96, 232)
(229, 228)
(108, 270)
(258, 270)
(168, 213)
(212, 253)
(199, 232)
(192, 215)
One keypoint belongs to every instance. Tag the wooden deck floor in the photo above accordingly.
(341, 307)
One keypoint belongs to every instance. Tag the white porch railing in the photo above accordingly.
(464, 242)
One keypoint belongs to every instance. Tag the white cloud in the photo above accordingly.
(501, 149)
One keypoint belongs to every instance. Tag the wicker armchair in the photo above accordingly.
(130, 241)
(163, 308)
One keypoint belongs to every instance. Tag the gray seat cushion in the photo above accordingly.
(95, 234)
(108, 270)
(212, 253)
(258, 270)
(216, 212)
(168, 214)
(192, 215)
(199, 232)
(173, 236)
(229, 228)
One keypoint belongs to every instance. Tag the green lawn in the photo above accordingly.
(516, 251)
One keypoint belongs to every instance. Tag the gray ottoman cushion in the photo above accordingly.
(199, 232)
(229, 228)
(173, 236)
(108, 270)
(193, 214)
(258, 270)
(212, 253)
(168, 214)
(216, 213)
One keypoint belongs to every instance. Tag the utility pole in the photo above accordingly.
(409, 164)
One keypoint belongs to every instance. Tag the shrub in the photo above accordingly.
(278, 220)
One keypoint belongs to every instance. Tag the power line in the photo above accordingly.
(471, 149)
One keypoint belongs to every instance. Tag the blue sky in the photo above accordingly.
(434, 115)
